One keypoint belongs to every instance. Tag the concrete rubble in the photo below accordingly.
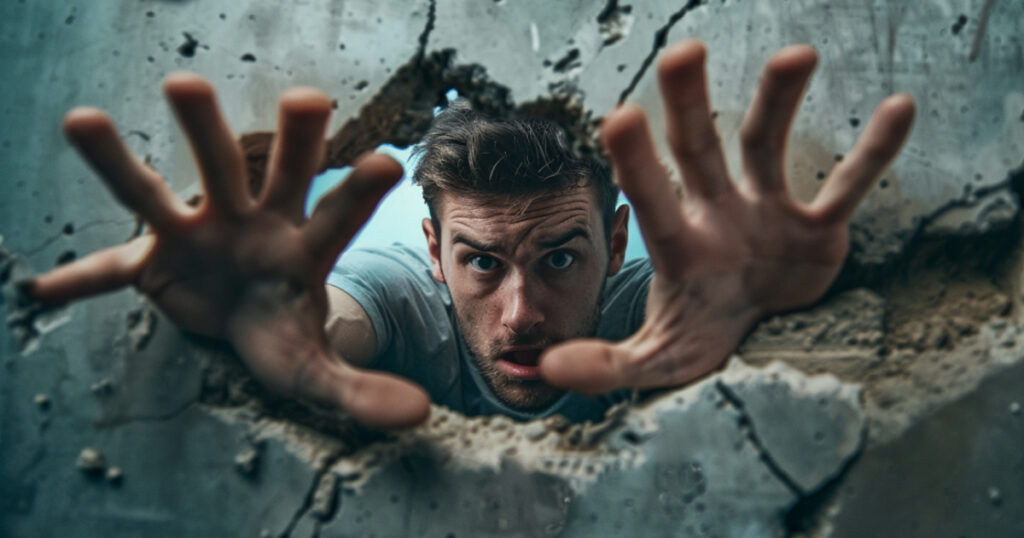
(892, 408)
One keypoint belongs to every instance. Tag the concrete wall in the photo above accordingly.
(891, 409)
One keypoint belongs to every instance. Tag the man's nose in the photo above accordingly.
(521, 312)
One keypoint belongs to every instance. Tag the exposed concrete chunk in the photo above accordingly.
(43, 401)
(682, 463)
(921, 383)
(91, 461)
(851, 324)
(808, 426)
(26, 320)
(685, 463)
(962, 461)
(247, 460)
(114, 475)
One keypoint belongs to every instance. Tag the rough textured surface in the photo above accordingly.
(683, 463)
(925, 320)
(977, 488)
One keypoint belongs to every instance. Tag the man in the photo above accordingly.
(525, 270)
(524, 250)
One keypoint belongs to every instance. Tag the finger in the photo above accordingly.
(297, 151)
(102, 271)
(344, 210)
(592, 366)
(220, 161)
(646, 183)
(289, 361)
(376, 400)
(766, 126)
(854, 176)
(588, 366)
(691, 133)
(139, 188)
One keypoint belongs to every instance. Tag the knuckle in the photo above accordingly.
(695, 145)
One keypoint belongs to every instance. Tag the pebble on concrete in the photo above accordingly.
(43, 401)
(91, 461)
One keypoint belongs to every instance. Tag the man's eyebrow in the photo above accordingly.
(566, 237)
(484, 247)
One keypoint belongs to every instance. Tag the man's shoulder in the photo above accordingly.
(395, 255)
(625, 300)
(633, 278)
(383, 265)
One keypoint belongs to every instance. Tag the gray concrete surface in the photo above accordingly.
(931, 345)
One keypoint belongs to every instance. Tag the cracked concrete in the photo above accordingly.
(916, 353)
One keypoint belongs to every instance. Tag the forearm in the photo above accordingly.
(349, 330)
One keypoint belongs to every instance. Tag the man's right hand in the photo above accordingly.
(249, 271)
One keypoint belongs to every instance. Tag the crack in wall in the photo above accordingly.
(856, 274)
(162, 417)
(424, 37)
(660, 40)
(746, 423)
(1012, 183)
(307, 502)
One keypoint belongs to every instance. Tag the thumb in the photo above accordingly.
(590, 366)
(376, 400)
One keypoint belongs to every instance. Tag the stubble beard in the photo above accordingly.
(519, 394)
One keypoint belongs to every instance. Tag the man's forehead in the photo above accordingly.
(456, 207)
(537, 219)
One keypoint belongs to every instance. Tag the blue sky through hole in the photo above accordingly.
(398, 217)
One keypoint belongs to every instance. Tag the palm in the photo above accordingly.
(201, 278)
(785, 259)
(247, 270)
(725, 253)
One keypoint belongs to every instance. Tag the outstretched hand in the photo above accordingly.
(725, 254)
(249, 271)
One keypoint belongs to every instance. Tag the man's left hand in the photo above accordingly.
(725, 254)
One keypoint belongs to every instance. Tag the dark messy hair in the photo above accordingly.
(468, 153)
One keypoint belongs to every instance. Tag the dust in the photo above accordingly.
(921, 330)
(614, 22)
(27, 320)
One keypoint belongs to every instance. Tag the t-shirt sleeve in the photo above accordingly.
(625, 300)
(407, 307)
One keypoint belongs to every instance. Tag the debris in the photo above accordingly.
(114, 475)
(536, 430)
(556, 423)
(141, 324)
(325, 498)
(188, 48)
(102, 387)
(91, 461)
(614, 22)
(995, 496)
(1014, 408)
(43, 401)
(247, 460)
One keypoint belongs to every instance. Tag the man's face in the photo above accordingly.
(523, 280)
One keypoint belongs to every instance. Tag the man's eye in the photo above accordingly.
(560, 259)
(483, 263)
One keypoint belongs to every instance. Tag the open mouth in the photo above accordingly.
(521, 363)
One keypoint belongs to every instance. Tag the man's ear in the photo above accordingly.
(618, 240)
(434, 248)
